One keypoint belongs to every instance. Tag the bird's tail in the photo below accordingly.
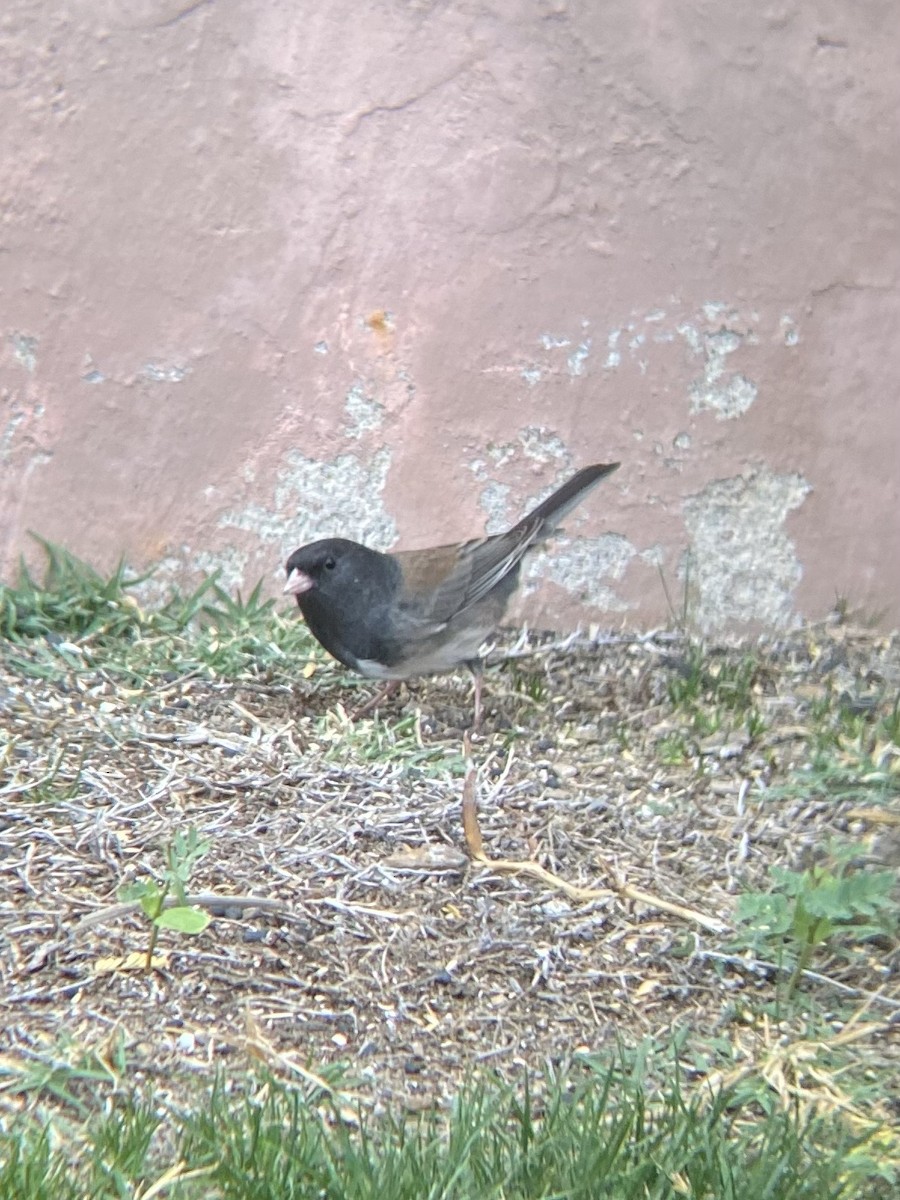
(543, 520)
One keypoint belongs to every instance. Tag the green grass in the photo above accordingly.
(674, 749)
(65, 1074)
(853, 742)
(854, 753)
(704, 676)
(717, 692)
(74, 601)
(591, 1135)
(379, 740)
(75, 616)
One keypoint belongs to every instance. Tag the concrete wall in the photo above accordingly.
(275, 270)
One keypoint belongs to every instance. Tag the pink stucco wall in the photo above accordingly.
(271, 271)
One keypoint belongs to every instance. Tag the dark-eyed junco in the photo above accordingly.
(418, 612)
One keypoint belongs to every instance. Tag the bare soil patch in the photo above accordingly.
(376, 941)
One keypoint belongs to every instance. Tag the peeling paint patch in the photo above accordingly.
(160, 373)
(364, 413)
(635, 342)
(721, 343)
(16, 418)
(557, 349)
(315, 499)
(534, 372)
(728, 396)
(691, 335)
(494, 497)
(789, 331)
(654, 555)
(312, 499)
(535, 443)
(713, 333)
(580, 564)
(91, 372)
(578, 358)
(25, 350)
(731, 399)
(228, 564)
(743, 567)
(495, 503)
(541, 446)
(19, 419)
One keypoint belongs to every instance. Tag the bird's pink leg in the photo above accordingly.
(475, 668)
(373, 702)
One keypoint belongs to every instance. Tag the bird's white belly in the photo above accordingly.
(430, 659)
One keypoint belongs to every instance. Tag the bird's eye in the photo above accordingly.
(329, 563)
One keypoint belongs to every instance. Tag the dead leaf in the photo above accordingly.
(427, 858)
(136, 961)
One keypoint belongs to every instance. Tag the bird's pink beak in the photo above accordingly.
(298, 582)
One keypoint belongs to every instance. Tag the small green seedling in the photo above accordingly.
(805, 910)
(155, 898)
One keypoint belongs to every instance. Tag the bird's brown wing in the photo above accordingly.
(441, 583)
(445, 581)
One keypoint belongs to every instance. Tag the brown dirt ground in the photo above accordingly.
(377, 940)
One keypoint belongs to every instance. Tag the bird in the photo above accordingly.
(395, 616)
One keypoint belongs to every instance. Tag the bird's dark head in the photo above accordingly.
(344, 591)
(326, 566)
